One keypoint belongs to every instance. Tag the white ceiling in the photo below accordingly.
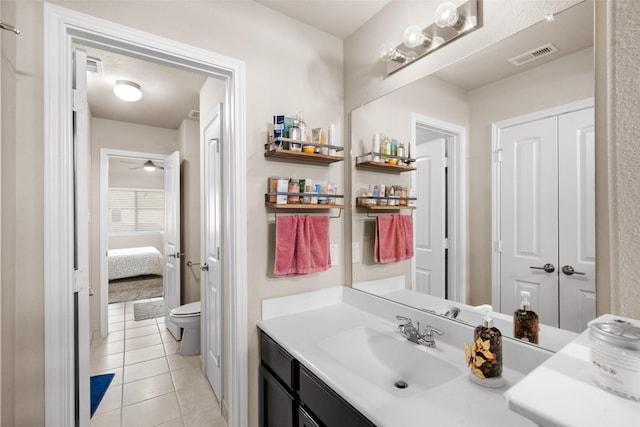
(337, 17)
(170, 94)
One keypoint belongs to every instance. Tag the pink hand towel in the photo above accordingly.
(394, 238)
(302, 245)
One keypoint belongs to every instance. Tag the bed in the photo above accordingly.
(132, 262)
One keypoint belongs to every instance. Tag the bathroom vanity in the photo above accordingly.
(335, 358)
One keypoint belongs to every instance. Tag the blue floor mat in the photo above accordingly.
(99, 386)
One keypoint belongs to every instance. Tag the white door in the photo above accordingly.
(172, 239)
(81, 246)
(430, 218)
(212, 251)
(576, 195)
(529, 217)
(547, 218)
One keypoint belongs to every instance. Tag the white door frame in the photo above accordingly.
(457, 205)
(105, 155)
(496, 129)
(62, 27)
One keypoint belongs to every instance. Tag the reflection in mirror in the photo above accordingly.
(450, 114)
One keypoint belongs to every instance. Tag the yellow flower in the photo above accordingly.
(474, 355)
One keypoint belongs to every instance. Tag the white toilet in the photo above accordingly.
(188, 317)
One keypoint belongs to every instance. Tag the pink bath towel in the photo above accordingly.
(394, 238)
(302, 245)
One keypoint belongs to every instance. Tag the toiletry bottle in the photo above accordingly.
(376, 147)
(303, 128)
(490, 339)
(525, 321)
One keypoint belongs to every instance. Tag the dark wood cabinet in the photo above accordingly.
(292, 396)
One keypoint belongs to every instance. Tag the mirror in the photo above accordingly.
(457, 106)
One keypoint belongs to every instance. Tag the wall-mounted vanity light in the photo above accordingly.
(450, 22)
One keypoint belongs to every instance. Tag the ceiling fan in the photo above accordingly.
(149, 166)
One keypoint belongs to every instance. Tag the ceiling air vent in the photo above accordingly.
(534, 54)
(194, 115)
(94, 65)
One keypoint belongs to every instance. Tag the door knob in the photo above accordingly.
(568, 270)
(204, 267)
(176, 255)
(549, 268)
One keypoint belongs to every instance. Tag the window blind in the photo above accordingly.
(135, 211)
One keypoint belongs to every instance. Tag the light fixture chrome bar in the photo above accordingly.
(439, 36)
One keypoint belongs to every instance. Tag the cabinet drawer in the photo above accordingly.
(305, 420)
(277, 407)
(279, 361)
(327, 406)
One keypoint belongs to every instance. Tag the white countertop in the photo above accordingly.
(560, 392)
(458, 402)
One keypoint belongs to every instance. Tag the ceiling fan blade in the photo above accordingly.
(139, 167)
(133, 163)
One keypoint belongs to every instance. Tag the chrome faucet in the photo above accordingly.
(413, 334)
(452, 313)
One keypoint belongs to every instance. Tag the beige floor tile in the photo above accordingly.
(111, 400)
(146, 389)
(146, 369)
(196, 398)
(115, 319)
(105, 347)
(188, 377)
(171, 348)
(177, 361)
(174, 423)
(116, 311)
(167, 336)
(151, 412)
(115, 335)
(143, 341)
(210, 417)
(143, 354)
(115, 305)
(129, 317)
(114, 327)
(103, 363)
(139, 332)
(106, 419)
(133, 324)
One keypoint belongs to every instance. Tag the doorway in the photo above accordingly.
(544, 215)
(439, 267)
(63, 28)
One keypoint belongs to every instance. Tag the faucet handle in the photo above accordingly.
(429, 330)
(404, 319)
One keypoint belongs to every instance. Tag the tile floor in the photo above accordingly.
(154, 385)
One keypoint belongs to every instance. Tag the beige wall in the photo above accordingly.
(117, 135)
(558, 82)
(315, 85)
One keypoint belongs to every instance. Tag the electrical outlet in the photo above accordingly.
(333, 250)
(355, 252)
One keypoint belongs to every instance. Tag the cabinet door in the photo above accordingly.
(328, 407)
(276, 404)
(305, 419)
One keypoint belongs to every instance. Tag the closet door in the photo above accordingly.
(529, 217)
(576, 200)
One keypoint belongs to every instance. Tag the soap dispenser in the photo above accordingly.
(525, 321)
(484, 356)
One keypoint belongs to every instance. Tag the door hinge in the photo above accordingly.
(445, 162)
(498, 246)
(80, 280)
(446, 243)
(218, 143)
(218, 360)
(499, 155)
(79, 100)
(218, 252)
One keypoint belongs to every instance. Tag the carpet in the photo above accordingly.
(148, 310)
(99, 386)
(135, 288)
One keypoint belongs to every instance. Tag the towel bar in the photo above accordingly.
(191, 263)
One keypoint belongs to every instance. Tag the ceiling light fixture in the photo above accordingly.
(450, 22)
(127, 90)
(149, 166)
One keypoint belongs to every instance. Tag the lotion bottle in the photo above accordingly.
(490, 339)
(525, 321)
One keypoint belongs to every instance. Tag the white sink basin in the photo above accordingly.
(391, 363)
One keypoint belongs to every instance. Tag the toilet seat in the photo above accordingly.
(187, 310)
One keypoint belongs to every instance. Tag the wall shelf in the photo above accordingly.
(366, 161)
(360, 203)
(277, 149)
